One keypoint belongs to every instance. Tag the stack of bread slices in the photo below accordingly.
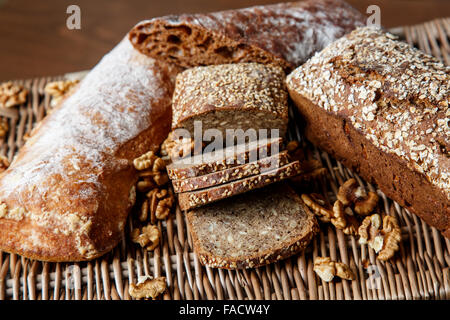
(243, 110)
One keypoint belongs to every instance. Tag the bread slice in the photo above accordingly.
(243, 96)
(252, 230)
(193, 199)
(228, 157)
(231, 174)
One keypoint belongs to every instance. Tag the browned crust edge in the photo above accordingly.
(390, 173)
(230, 174)
(233, 188)
(206, 168)
(239, 108)
(286, 250)
(254, 53)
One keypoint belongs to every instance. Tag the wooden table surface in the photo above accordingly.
(34, 39)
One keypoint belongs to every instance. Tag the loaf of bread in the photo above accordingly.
(67, 194)
(198, 198)
(382, 108)
(286, 34)
(231, 174)
(231, 96)
(229, 157)
(252, 230)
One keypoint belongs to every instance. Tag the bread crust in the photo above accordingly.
(286, 34)
(342, 141)
(67, 194)
(198, 198)
(209, 164)
(231, 174)
(283, 251)
(231, 96)
(382, 108)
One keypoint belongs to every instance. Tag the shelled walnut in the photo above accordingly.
(152, 172)
(382, 236)
(4, 127)
(351, 194)
(12, 95)
(145, 161)
(155, 197)
(318, 206)
(336, 214)
(147, 236)
(392, 237)
(148, 288)
(160, 203)
(327, 269)
(59, 89)
(177, 148)
(347, 223)
(4, 163)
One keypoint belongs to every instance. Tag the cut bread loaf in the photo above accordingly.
(231, 96)
(382, 108)
(252, 230)
(193, 199)
(228, 157)
(286, 34)
(231, 174)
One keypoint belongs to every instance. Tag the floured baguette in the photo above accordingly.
(253, 229)
(67, 194)
(286, 34)
(198, 198)
(231, 174)
(228, 157)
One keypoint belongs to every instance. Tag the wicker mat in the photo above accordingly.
(419, 271)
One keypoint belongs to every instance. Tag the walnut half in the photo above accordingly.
(318, 206)
(4, 127)
(392, 236)
(148, 288)
(327, 269)
(350, 193)
(59, 89)
(4, 163)
(383, 237)
(148, 237)
(12, 95)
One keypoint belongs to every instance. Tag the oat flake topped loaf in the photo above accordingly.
(396, 96)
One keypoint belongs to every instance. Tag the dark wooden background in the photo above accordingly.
(34, 39)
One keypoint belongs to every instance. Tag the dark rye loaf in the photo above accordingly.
(228, 157)
(286, 34)
(382, 108)
(198, 198)
(252, 230)
(232, 96)
(231, 174)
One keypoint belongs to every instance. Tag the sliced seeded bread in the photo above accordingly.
(252, 230)
(229, 157)
(193, 199)
(231, 96)
(231, 174)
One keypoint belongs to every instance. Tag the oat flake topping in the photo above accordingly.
(394, 94)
